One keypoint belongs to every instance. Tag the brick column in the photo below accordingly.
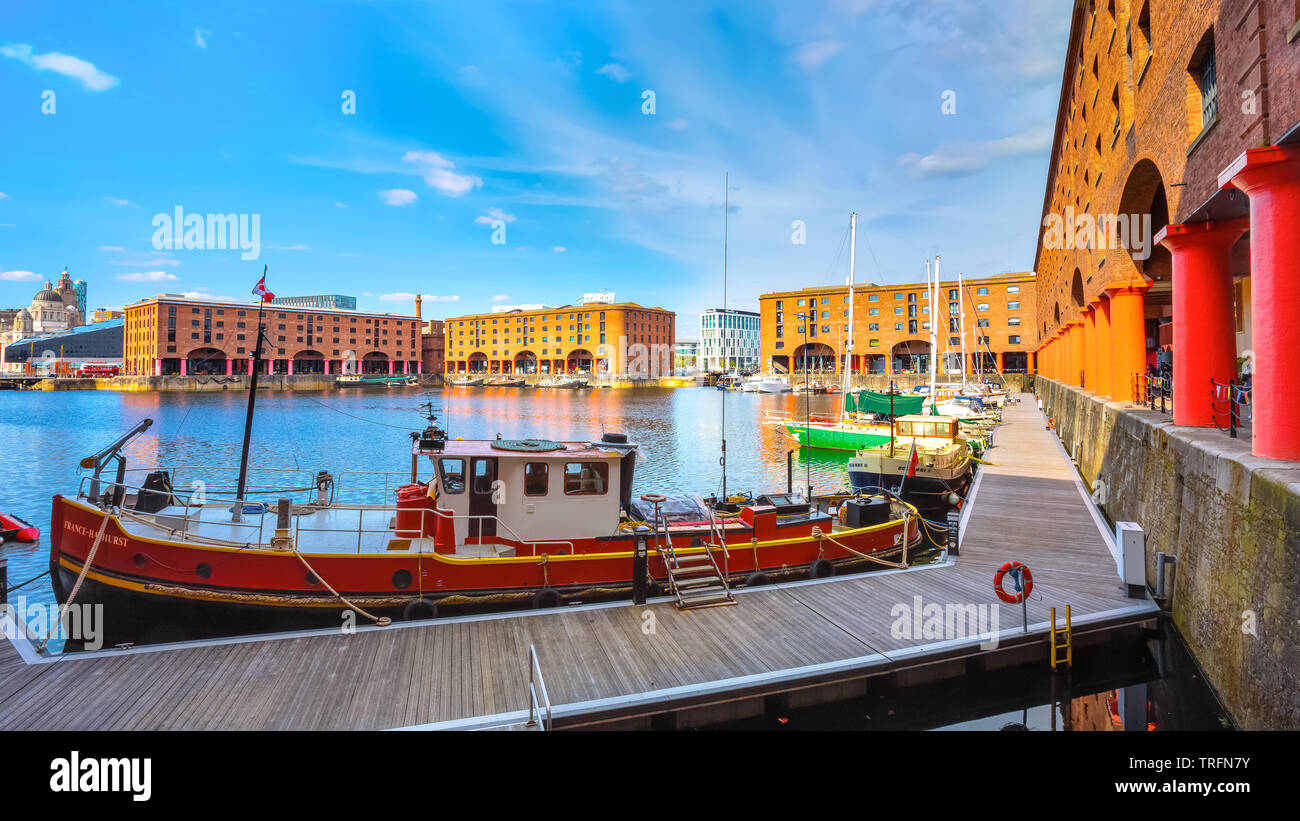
(1205, 341)
(1271, 178)
(1128, 342)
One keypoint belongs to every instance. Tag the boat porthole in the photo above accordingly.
(402, 579)
(139, 560)
(204, 570)
(696, 541)
(311, 579)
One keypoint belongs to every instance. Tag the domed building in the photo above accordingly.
(53, 309)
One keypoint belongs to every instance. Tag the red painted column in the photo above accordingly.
(230, 367)
(1102, 384)
(1271, 178)
(1128, 342)
(1205, 340)
(1087, 332)
(184, 365)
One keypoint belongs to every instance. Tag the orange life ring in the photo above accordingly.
(1004, 595)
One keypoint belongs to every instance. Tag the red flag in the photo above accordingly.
(912, 461)
(260, 290)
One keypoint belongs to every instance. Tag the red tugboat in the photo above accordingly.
(474, 524)
(483, 524)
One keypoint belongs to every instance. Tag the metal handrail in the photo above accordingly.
(538, 700)
(1237, 395)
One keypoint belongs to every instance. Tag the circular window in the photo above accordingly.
(204, 570)
(311, 579)
(402, 579)
(139, 560)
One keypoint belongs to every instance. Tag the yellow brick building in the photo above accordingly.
(592, 337)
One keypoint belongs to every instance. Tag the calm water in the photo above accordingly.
(46, 433)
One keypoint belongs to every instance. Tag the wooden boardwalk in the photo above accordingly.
(606, 659)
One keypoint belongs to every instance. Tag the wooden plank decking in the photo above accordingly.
(473, 672)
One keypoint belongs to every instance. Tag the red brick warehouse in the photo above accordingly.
(1182, 119)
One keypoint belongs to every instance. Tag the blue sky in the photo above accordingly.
(530, 113)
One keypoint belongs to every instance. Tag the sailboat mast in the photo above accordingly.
(961, 323)
(934, 331)
(726, 211)
(853, 249)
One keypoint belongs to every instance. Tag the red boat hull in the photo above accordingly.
(215, 583)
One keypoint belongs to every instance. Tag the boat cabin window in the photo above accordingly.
(453, 474)
(484, 475)
(585, 478)
(938, 429)
(535, 478)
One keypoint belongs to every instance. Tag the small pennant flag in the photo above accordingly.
(260, 288)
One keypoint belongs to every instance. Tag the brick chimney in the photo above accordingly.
(417, 307)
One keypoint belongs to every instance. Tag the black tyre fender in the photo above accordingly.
(821, 569)
(420, 608)
(757, 580)
(549, 597)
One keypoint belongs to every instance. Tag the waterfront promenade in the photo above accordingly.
(614, 661)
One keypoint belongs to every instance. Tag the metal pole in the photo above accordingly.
(640, 563)
(248, 418)
(789, 471)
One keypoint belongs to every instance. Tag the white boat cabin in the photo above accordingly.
(532, 490)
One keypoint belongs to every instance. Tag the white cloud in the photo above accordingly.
(676, 125)
(147, 276)
(152, 259)
(614, 72)
(65, 64)
(117, 248)
(117, 201)
(408, 297)
(200, 38)
(959, 159)
(494, 214)
(288, 247)
(437, 173)
(339, 205)
(19, 276)
(559, 249)
(813, 55)
(398, 196)
(501, 298)
(3, 196)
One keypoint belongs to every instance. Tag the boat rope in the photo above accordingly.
(24, 584)
(186, 536)
(382, 621)
(546, 578)
(820, 536)
(81, 577)
(358, 418)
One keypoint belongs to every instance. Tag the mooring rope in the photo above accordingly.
(819, 536)
(9, 590)
(382, 621)
(81, 577)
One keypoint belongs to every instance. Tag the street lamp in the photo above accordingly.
(807, 417)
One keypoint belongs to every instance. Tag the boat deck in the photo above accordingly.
(616, 659)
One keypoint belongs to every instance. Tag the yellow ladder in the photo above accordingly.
(1067, 644)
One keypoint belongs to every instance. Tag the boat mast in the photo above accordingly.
(848, 344)
(961, 324)
(933, 288)
(726, 208)
(238, 510)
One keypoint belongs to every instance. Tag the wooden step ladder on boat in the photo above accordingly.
(695, 580)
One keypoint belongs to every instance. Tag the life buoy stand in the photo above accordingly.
(420, 608)
(1019, 595)
(1051, 423)
(653, 498)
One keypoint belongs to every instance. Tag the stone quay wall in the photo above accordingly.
(1232, 520)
